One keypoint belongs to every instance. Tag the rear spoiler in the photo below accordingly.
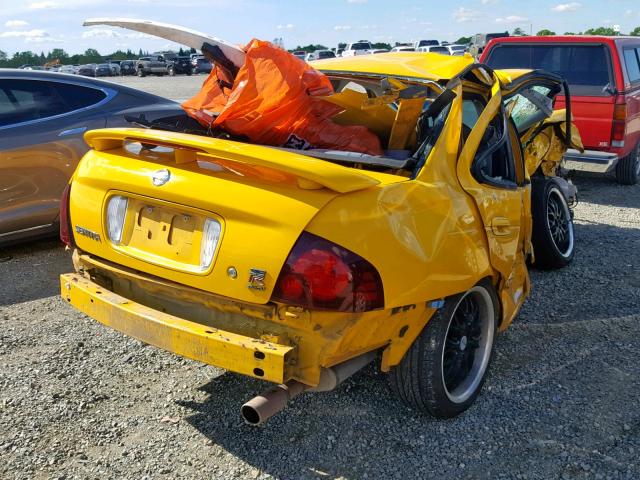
(314, 173)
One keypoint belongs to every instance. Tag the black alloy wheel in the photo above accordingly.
(443, 371)
(552, 234)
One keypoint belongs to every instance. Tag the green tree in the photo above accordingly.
(569, 33)
(600, 31)
(635, 32)
(381, 45)
(23, 58)
(58, 53)
(463, 41)
(311, 48)
(545, 33)
(91, 55)
(518, 32)
(3, 56)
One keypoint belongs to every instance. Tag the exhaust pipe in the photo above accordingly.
(259, 409)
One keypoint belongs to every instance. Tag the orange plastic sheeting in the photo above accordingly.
(276, 99)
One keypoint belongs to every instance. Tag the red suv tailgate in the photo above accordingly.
(594, 117)
(587, 67)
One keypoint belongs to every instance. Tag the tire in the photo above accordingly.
(552, 233)
(141, 72)
(172, 72)
(628, 168)
(425, 379)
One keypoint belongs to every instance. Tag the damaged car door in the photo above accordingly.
(491, 170)
(545, 135)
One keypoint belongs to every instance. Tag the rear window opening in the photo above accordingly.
(400, 161)
(587, 68)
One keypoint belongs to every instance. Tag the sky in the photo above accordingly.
(41, 25)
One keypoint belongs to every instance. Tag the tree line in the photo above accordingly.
(91, 55)
(519, 32)
(607, 31)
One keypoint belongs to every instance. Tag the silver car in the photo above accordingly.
(43, 116)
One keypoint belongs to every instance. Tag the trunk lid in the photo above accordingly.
(261, 197)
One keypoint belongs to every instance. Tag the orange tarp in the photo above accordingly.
(276, 99)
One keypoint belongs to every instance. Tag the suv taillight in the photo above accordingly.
(66, 233)
(619, 127)
(321, 275)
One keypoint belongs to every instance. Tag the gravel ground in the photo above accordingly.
(78, 400)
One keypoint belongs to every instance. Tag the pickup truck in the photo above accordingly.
(480, 40)
(354, 49)
(603, 74)
(151, 66)
(179, 65)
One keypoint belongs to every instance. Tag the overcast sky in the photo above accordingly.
(41, 25)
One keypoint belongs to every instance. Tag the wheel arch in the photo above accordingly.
(568, 189)
(419, 378)
(401, 343)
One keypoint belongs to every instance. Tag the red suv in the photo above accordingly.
(603, 74)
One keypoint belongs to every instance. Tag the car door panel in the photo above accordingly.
(501, 207)
(37, 158)
(36, 167)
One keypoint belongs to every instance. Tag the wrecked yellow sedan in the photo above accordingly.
(301, 267)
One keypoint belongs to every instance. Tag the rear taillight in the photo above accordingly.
(618, 129)
(66, 233)
(321, 275)
(116, 212)
(210, 238)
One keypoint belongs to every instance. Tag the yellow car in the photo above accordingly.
(301, 267)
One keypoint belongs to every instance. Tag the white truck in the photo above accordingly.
(361, 47)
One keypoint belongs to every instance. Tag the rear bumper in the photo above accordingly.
(241, 354)
(589, 161)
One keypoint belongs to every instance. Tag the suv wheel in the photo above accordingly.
(172, 71)
(552, 232)
(628, 168)
(140, 72)
(444, 370)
